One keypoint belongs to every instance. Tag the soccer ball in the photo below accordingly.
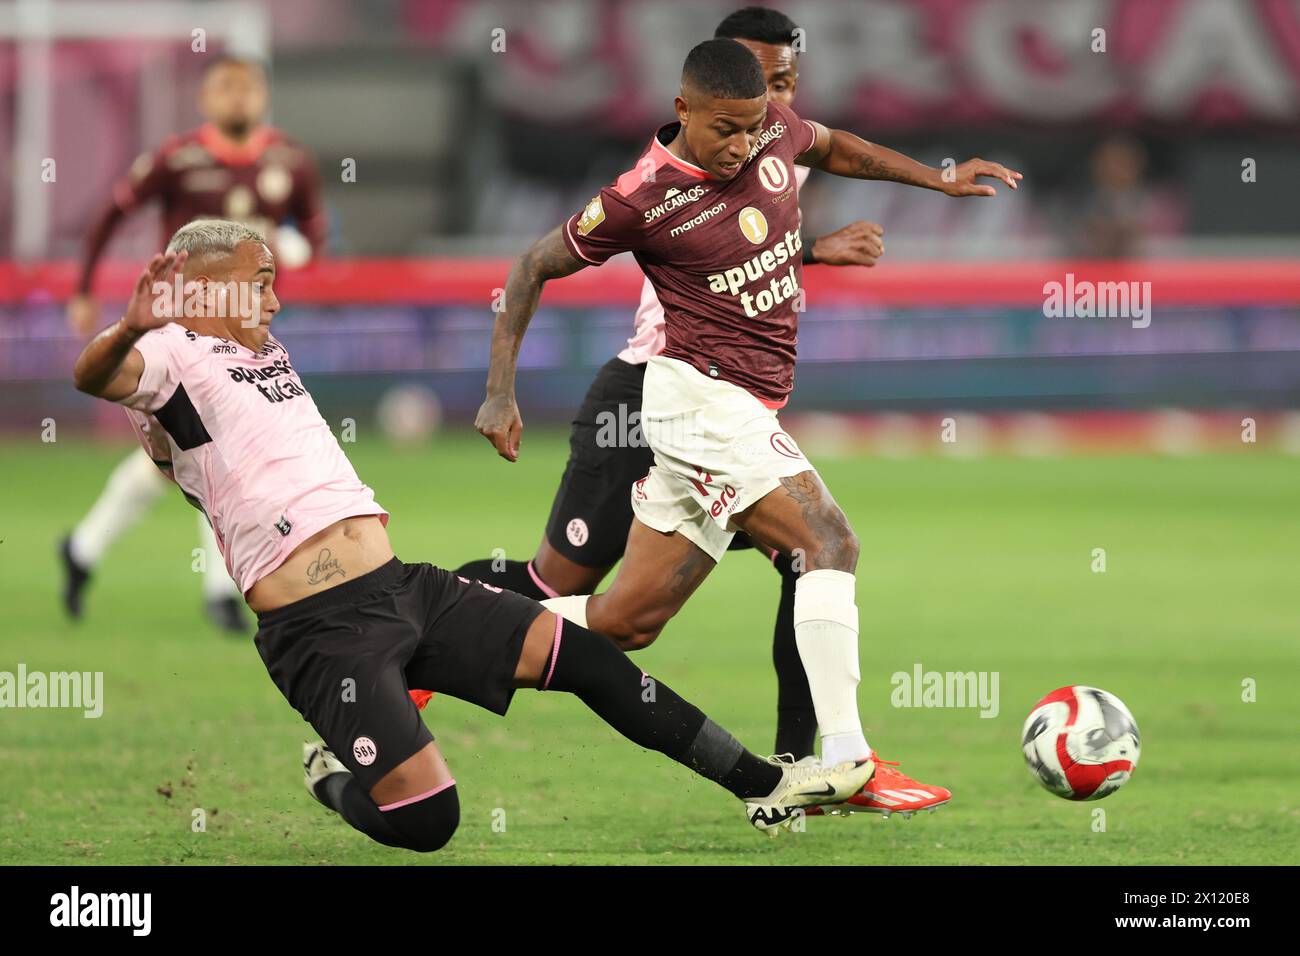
(1081, 743)
(409, 414)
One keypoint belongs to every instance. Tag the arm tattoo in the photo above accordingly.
(548, 259)
(323, 568)
(866, 166)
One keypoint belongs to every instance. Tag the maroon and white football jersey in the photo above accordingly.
(724, 255)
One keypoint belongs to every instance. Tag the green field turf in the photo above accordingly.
(967, 565)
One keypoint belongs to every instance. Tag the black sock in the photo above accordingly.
(345, 796)
(514, 576)
(648, 712)
(796, 720)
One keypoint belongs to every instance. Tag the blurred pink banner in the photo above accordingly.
(888, 64)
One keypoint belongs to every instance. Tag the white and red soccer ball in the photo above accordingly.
(1081, 743)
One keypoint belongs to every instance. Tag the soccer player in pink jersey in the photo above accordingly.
(233, 165)
(218, 404)
(726, 266)
(588, 526)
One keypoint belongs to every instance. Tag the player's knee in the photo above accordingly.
(643, 627)
(837, 547)
(425, 825)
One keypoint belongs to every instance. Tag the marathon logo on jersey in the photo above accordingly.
(768, 135)
(674, 199)
(702, 217)
(275, 392)
(779, 290)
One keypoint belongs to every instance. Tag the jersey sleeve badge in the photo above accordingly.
(592, 216)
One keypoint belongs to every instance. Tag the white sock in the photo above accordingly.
(216, 580)
(826, 633)
(572, 608)
(132, 488)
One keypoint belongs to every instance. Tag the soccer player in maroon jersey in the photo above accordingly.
(233, 166)
(726, 266)
(344, 627)
(592, 513)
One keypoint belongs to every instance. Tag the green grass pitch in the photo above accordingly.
(967, 565)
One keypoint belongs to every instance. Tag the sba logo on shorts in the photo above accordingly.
(364, 751)
(577, 532)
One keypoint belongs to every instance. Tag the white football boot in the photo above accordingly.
(807, 783)
(318, 762)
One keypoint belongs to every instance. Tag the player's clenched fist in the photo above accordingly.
(960, 181)
(857, 244)
(146, 310)
(498, 421)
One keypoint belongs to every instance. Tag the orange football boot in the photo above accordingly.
(889, 791)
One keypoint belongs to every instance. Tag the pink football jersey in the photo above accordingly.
(242, 437)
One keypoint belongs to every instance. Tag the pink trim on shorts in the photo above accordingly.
(555, 652)
(549, 591)
(419, 796)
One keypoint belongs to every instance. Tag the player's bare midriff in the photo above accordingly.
(342, 552)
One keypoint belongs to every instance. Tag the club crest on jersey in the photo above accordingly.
(592, 216)
(773, 174)
(753, 224)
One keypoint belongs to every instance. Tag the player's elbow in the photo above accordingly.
(83, 381)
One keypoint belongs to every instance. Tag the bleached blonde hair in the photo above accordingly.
(203, 238)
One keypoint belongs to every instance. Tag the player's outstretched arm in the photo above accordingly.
(857, 244)
(844, 154)
(109, 366)
(498, 418)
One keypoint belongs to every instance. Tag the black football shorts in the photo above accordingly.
(592, 511)
(346, 658)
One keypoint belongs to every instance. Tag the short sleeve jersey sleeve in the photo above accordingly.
(606, 226)
(164, 356)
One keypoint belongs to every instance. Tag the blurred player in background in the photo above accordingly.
(727, 268)
(592, 513)
(233, 166)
